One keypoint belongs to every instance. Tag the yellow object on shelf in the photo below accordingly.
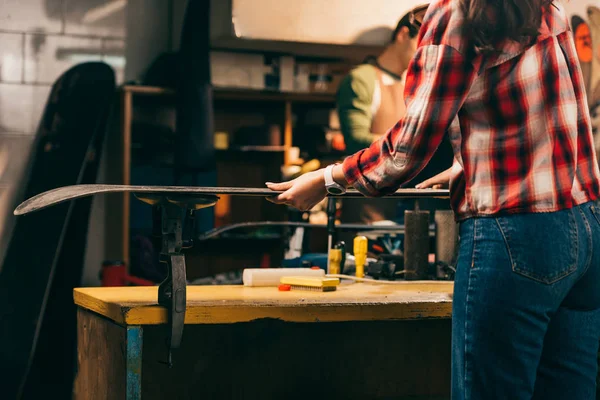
(303, 168)
(360, 255)
(221, 140)
(309, 166)
(335, 259)
(311, 283)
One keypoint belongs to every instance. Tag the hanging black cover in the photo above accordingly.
(194, 147)
(45, 255)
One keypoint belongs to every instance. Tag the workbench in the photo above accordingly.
(363, 341)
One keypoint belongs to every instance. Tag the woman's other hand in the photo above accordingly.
(440, 181)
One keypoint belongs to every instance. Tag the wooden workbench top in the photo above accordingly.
(236, 303)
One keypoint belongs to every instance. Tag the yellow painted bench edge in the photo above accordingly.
(224, 314)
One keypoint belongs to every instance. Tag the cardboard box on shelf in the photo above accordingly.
(237, 70)
(321, 77)
(275, 73)
(287, 73)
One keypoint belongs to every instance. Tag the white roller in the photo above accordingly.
(272, 276)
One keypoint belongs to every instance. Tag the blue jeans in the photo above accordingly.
(526, 307)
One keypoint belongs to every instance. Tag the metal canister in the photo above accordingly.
(416, 244)
(446, 239)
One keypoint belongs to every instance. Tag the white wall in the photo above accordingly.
(317, 21)
(579, 6)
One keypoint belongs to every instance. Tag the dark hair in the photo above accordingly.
(408, 20)
(488, 22)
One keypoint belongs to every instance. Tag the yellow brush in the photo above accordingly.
(310, 283)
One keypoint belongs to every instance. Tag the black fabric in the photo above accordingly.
(163, 71)
(194, 147)
(45, 254)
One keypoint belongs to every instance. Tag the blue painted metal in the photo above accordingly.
(135, 339)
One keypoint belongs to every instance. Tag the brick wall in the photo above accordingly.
(41, 39)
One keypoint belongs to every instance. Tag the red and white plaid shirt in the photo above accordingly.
(518, 122)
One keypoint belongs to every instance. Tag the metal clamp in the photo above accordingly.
(174, 217)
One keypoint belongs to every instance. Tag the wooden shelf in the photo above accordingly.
(266, 95)
(265, 156)
(252, 165)
(147, 90)
(240, 94)
(354, 53)
(255, 149)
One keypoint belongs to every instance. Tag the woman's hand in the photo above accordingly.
(307, 190)
(302, 193)
(440, 181)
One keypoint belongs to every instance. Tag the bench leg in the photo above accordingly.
(135, 338)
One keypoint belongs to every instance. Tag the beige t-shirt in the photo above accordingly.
(366, 97)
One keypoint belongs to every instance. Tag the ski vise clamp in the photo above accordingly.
(173, 220)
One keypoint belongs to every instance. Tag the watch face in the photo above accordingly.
(334, 190)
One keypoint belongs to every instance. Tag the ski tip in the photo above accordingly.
(19, 210)
(25, 207)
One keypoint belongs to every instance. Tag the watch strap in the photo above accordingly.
(329, 175)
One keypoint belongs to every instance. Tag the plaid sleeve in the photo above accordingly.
(438, 81)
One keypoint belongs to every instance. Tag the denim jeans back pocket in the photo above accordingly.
(542, 246)
(595, 209)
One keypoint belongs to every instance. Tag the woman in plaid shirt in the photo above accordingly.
(502, 79)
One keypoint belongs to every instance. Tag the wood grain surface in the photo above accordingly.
(101, 364)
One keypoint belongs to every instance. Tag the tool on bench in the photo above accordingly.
(383, 269)
(342, 246)
(446, 242)
(416, 244)
(360, 255)
(337, 258)
(309, 283)
(335, 261)
(257, 277)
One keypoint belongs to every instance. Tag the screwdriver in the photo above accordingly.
(360, 255)
(335, 259)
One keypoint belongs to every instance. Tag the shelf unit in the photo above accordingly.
(275, 105)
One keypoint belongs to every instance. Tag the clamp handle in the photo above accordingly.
(172, 295)
(177, 232)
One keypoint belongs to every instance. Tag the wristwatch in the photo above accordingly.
(332, 186)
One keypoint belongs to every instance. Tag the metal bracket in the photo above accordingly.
(177, 216)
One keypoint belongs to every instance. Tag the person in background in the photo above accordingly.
(370, 100)
(502, 80)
